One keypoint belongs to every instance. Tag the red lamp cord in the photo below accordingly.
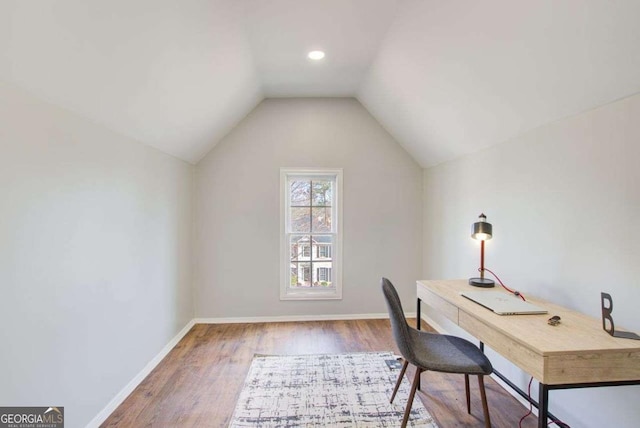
(530, 412)
(530, 405)
(514, 292)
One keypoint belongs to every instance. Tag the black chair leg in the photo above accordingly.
(404, 369)
(466, 389)
(414, 386)
(485, 407)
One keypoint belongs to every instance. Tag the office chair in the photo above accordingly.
(436, 352)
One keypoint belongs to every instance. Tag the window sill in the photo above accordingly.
(309, 294)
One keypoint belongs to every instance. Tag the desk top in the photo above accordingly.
(577, 350)
(576, 333)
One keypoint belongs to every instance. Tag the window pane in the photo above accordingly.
(307, 271)
(300, 248)
(322, 245)
(294, 275)
(322, 193)
(300, 220)
(321, 219)
(324, 251)
(304, 274)
(301, 274)
(294, 252)
(322, 274)
(300, 192)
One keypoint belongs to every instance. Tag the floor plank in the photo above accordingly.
(197, 384)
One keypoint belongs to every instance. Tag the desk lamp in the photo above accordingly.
(482, 231)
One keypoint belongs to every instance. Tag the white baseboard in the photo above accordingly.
(124, 393)
(293, 318)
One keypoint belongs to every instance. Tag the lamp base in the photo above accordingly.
(482, 282)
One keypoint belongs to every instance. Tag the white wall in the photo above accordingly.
(237, 209)
(95, 241)
(564, 203)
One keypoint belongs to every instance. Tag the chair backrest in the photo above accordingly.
(399, 326)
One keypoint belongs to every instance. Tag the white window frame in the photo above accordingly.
(286, 291)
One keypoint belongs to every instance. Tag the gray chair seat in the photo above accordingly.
(450, 354)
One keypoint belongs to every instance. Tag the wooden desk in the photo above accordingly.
(578, 353)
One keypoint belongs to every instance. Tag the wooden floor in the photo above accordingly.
(198, 383)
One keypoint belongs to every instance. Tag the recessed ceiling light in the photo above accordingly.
(315, 55)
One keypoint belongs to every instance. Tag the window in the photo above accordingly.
(311, 234)
(324, 251)
(324, 274)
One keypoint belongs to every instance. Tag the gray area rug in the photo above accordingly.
(342, 390)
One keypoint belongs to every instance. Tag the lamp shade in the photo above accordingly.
(482, 230)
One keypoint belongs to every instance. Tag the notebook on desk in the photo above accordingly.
(502, 303)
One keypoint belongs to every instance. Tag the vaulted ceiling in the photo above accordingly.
(444, 77)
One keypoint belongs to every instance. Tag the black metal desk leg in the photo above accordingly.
(543, 405)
